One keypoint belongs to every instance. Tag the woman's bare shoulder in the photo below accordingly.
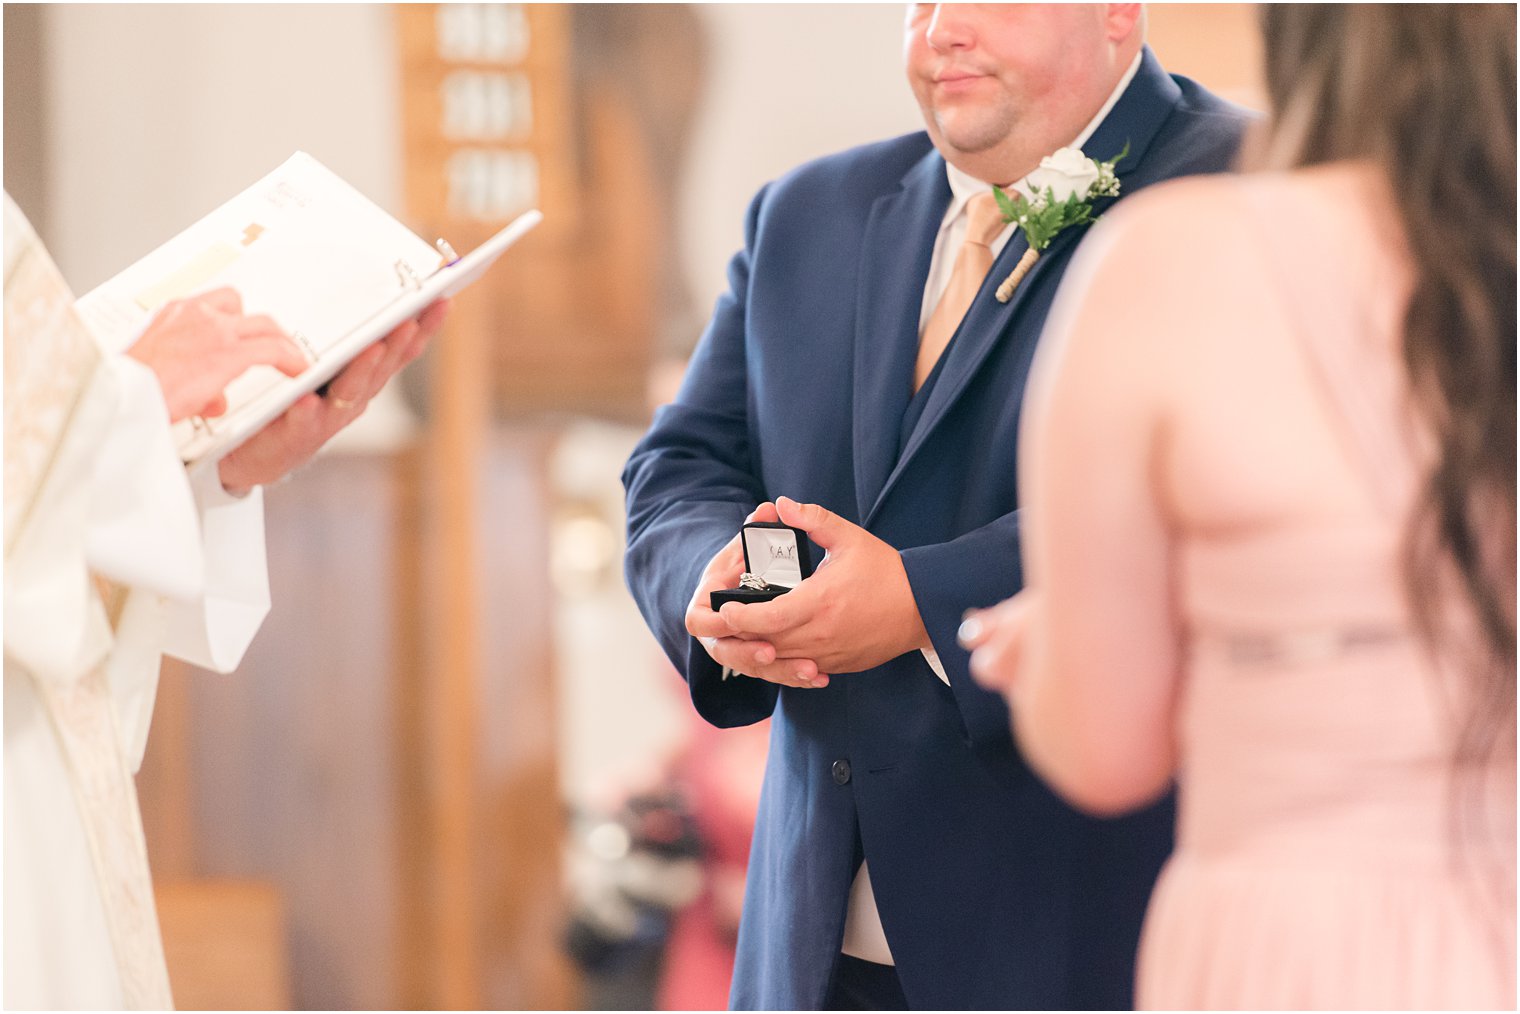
(1200, 217)
(1169, 239)
(1192, 217)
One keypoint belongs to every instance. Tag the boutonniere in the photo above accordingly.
(1060, 193)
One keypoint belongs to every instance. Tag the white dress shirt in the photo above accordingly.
(863, 934)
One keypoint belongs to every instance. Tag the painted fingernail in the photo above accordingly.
(970, 630)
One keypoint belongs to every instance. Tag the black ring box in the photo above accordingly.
(775, 553)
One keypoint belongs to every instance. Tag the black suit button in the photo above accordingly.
(841, 772)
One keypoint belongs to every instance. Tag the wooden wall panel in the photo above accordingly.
(1219, 45)
(315, 770)
(292, 759)
(225, 943)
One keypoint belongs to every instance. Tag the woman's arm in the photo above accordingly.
(1089, 654)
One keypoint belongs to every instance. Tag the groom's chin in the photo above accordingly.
(968, 131)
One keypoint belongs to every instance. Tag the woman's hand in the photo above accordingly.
(996, 639)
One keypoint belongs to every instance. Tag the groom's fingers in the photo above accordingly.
(726, 636)
(822, 525)
(758, 659)
(764, 512)
(702, 622)
(722, 571)
(780, 614)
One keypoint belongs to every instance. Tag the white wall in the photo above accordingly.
(787, 83)
(161, 112)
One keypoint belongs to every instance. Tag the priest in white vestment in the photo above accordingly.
(111, 557)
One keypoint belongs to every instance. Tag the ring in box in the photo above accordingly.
(776, 559)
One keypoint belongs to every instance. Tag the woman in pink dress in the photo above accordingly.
(1269, 473)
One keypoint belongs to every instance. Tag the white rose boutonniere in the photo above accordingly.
(1066, 172)
(1058, 194)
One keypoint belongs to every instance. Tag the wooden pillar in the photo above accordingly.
(413, 827)
(461, 412)
(485, 119)
(166, 787)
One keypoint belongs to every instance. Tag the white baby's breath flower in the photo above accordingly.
(1107, 184)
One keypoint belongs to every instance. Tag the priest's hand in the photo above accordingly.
(856, 611)
(197, 346)
(743, 653)
(291, 440)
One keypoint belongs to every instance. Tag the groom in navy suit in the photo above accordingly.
(859, 380)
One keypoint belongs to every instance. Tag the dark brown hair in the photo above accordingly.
(1427, 93)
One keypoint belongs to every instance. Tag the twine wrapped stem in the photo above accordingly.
(1005, 291)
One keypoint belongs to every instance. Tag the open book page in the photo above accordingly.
(301, 246)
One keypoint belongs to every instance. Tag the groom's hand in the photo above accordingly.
(744, 653)
(855, 612)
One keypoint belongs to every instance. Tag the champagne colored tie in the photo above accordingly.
(972, 262)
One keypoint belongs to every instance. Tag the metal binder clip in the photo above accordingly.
(305, 343)
(449, 256)
(406, 276)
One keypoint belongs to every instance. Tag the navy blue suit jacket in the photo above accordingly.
(992, 892)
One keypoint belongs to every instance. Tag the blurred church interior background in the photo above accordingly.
(454, 771)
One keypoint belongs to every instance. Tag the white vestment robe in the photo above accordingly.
(111, 557)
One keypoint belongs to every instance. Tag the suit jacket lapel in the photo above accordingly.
(973, 341)
(1137, 117)
(1135, 120)
(898, 245)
